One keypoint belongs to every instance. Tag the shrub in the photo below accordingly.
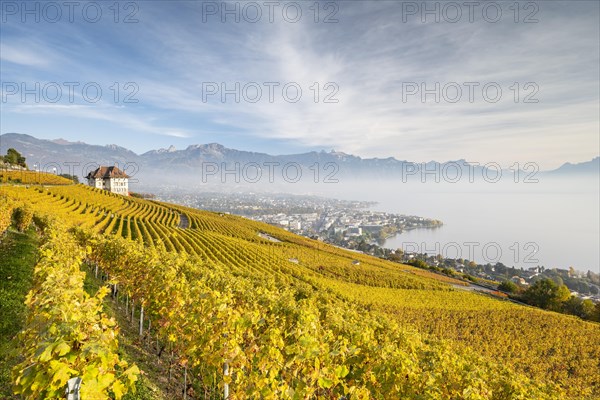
(5, 216)
(23, 217)
(417, 263)
(508, 287)
(42, 222)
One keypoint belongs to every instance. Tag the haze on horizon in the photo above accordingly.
(391, 80)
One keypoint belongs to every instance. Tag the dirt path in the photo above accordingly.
(184, 222)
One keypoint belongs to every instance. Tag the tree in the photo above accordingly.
(593, 277)
(508, 286)
(74, 178)
(596, 313)
(581, 308)
(545, 293)
(558, 280)
(573, 306)
(563, 293)
(14, 157)
(395, 256)
(582, 286)
(588, 309)
(500, 268)
(540, 292)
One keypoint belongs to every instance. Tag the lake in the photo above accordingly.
(554, 223)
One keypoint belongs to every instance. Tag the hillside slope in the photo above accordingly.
(262, 269)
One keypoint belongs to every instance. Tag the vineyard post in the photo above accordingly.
(170, 362)
(149, 333)
(225, 385)
(72, 389)
(142, 317)
(185, 382)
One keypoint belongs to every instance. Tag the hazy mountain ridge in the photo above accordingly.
(190, 159)
(588, 167)
(59, 151)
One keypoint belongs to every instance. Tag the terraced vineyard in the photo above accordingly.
(262, 313)
(32, 178)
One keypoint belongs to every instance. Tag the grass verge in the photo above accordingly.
(18, 255)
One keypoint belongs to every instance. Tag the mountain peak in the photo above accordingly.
(64, 142)
(588, 167)
(204, 147)
(171, 149)
(215, 146)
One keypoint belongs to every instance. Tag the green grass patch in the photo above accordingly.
(18, 255)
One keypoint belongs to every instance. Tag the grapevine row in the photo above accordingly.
(286, 342)
(67, 335)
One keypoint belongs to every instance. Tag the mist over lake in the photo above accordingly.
(554, 223)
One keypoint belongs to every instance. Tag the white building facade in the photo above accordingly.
(109, 178)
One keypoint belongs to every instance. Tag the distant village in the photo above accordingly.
(584, 285)
(332, 220)
(339, 225)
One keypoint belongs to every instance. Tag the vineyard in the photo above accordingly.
(32, 178)
(248, 310)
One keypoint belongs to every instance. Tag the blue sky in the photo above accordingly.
(375, 61)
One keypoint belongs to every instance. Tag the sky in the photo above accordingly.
(498, 82)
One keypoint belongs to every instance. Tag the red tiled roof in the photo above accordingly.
(107, 172)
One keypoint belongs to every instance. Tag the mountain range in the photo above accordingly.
(41, 153)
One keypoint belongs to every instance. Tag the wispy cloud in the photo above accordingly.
(368, 55)
(114, 114)
(25, 54)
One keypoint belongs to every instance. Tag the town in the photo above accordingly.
(336, 221)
